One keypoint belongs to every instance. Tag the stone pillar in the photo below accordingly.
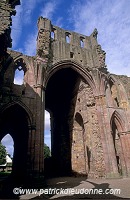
(31, 143)
(40, 67)
(41, 64)
(38, 167)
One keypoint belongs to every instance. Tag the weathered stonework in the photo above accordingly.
(89, 107)
(6, 11)
(90, 135)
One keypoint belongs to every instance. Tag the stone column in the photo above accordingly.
(38, 152)
(40, 68)
(31, 143)
(42, 62)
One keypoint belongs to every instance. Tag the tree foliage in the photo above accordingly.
(47, 152)
(2, 154)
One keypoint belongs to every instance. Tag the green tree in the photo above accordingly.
(2, 154)
(47, 152)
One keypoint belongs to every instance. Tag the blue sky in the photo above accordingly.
(110, 17)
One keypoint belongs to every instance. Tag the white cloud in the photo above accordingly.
(59, 22)
(29, 7)
(28, 10)
(30, 44)
(48, 10)
(16, 26)
(112, 19)
(24, 16)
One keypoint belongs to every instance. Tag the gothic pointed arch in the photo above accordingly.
(117, 129)
(76, 67)
(19, 104)
(14, 120)
(80, 157)
(119, 121)
(20, 70)
(79, 119)
(118, 91)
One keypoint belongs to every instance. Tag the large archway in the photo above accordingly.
(14, 120)
(59, 94)
(60, 100)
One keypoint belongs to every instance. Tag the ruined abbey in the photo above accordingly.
(89, 106)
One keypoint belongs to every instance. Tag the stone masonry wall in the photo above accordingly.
(87, 139)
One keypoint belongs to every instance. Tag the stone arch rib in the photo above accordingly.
(75, 66)
(119, 86)
(23, 106)
(119, 121)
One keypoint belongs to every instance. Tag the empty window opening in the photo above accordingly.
(47, 135)
(52, 35)
(71, 54)
(23, 92)
(79, 119)
(82, 42)
(8, 143)
(67, 37)
(116, 101)
(19, 76)
(20, 70)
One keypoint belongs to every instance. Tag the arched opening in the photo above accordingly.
(52, 35)
(8, 142)
(47, 143)
(20, 70)
(117, 128)
(47, 130)
(67, 37)
(14, 120)
(79, 120)
(117, 146)
(60, 99)
(19, 76)
(79, 150)
(82, 42)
